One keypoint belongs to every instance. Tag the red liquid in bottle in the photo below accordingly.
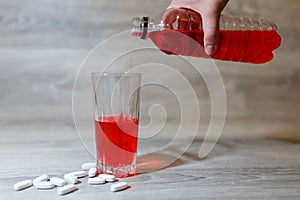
(116, 140)
(253, 46)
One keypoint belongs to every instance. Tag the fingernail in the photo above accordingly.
(210, 49)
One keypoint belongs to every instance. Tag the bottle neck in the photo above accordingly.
(141, 26)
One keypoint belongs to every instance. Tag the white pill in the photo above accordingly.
(92, 172)
(79, 174)
(66, 189)
(40, 178)
(96, 181)
(44, 185)
(107, 177)
(71, 178)
(87, 166)
(58, 181)
(22, 185)
(118, 186)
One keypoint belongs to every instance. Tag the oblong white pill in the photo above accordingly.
(118, 186)
(107, 177)
(44, 185)
(87, 166)
(71, 178)
(22, 185)
(58, 181)
(66, 189)
(79, 174)
(92, 172)
(96, 181)
(40, 178)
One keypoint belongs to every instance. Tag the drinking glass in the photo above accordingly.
(116, 115)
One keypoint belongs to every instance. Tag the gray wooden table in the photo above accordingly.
(235, 169)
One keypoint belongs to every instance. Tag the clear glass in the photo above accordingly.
(116, 109)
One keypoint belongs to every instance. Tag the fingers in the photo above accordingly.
(169, 17)
(195, 20)
(210, 11)
(210, 24)
(177, 15)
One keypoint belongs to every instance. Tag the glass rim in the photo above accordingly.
(100, 74)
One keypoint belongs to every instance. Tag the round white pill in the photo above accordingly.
(79, 174)
(96, 181)
(40, 178)
(66, 189)
(87, 166)
(107, 177)
(22, 185)
(92, 172)
(58, 181)
(71, 178)
(119, 186)
(44, 185)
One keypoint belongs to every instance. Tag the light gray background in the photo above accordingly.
(42, 44)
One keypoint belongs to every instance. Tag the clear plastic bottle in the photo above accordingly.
(179, 31)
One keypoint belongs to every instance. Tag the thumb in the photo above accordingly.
(210, 24)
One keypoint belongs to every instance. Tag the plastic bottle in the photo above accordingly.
(179, 31)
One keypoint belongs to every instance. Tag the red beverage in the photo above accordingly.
(253, 46)
(116, 141)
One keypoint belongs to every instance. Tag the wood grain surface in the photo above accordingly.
(235, 169)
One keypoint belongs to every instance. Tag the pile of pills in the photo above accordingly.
(66, 185)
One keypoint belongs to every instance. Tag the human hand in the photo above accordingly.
(210, 11)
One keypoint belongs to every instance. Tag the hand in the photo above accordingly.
(210, 11)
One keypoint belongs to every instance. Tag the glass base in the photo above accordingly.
(119, 172)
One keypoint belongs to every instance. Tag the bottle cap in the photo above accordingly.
(140, 26)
